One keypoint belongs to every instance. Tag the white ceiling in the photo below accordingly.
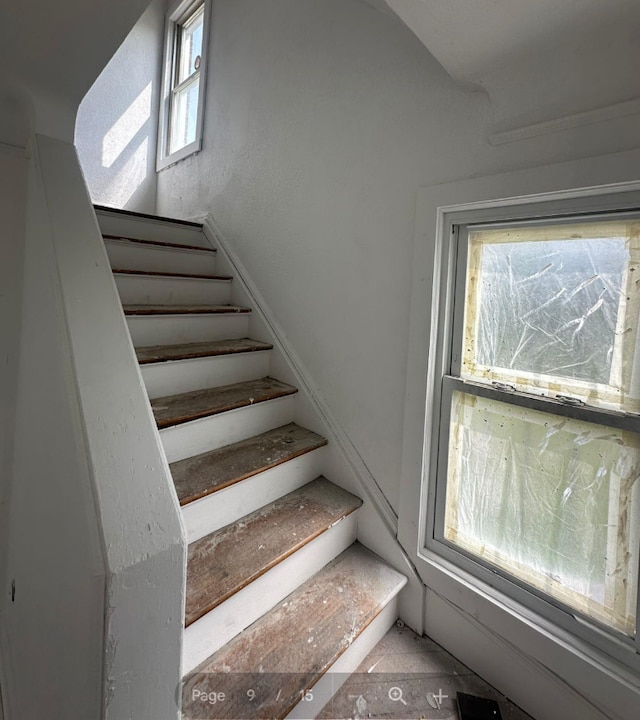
(473, 37)
(537, 59)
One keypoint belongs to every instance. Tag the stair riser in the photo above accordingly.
(215, 629)
(348, 662)
(147, 229)
(171, 378)
(221, 508)
(173, 329)
(135, 256)
(211, 433)
(150, 289)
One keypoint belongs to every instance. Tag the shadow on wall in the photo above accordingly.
(116, 127)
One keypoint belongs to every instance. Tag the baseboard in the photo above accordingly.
(412, 600)
(338, 435)
(515, 669)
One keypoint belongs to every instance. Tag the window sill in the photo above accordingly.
(179, 155)
(604, 681)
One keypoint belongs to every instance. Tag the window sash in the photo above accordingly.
(519, 588)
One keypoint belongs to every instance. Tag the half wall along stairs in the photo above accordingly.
(282, 602)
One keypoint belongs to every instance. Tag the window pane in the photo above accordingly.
(554, 502)
(190, 46)
(184, 116)
(555, 308)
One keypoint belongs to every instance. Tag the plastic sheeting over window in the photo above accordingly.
(551, 500)
(554, 308)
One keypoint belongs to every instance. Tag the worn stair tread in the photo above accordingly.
(201, 475)
(183, 309)
(176, 409)
(224, 562)
(289, 648)
(157, 273)
(160, 243)
(189, 351)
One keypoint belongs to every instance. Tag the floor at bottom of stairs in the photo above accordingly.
(417, 666)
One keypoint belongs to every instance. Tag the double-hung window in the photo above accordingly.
(183, 82)
(536, 450)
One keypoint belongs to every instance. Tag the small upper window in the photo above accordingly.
(184, 71)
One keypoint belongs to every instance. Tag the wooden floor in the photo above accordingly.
(406, 668)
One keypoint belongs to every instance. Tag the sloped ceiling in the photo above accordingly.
(537, 59)
(50, 54)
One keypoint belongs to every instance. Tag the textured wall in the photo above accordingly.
(116, 127)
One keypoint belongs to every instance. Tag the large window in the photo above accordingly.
(536, 452)
(184, 74)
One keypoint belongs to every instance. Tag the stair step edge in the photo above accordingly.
(202, 475)
(185, 407)
(171, 275)
(191, 351)
(159, 243)
(161, 310)
(219, 565)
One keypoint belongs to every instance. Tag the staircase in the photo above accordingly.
(282, 602)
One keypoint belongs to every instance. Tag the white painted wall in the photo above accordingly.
(116, 126)
(322, 120)
(53, 602)
(13, 175)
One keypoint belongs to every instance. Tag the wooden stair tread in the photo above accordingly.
(222, 563)
(157, 273)
(289, 648)
(165, 220)
(201, 475)
(176, 409)
(160, 243)
(188, 351)
(183, 309)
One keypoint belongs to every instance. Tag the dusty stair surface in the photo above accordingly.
(278, 590)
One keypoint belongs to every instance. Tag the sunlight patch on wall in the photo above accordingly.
(130, 178)
(126, 127)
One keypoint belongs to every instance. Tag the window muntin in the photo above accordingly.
(606, 592)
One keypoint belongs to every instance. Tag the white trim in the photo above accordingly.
(304, 382)
(377, 523)
(13, 149)
(566, 122)
(175, 15)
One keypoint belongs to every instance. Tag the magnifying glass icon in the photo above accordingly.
(395, 694)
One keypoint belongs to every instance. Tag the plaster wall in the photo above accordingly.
(13, 178)
(322, 120)
(116, 126)
(53, 597)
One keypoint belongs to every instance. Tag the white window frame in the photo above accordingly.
(450, 257)
(178, 14)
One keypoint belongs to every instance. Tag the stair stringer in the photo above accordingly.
(123, 588)
(377, 522)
